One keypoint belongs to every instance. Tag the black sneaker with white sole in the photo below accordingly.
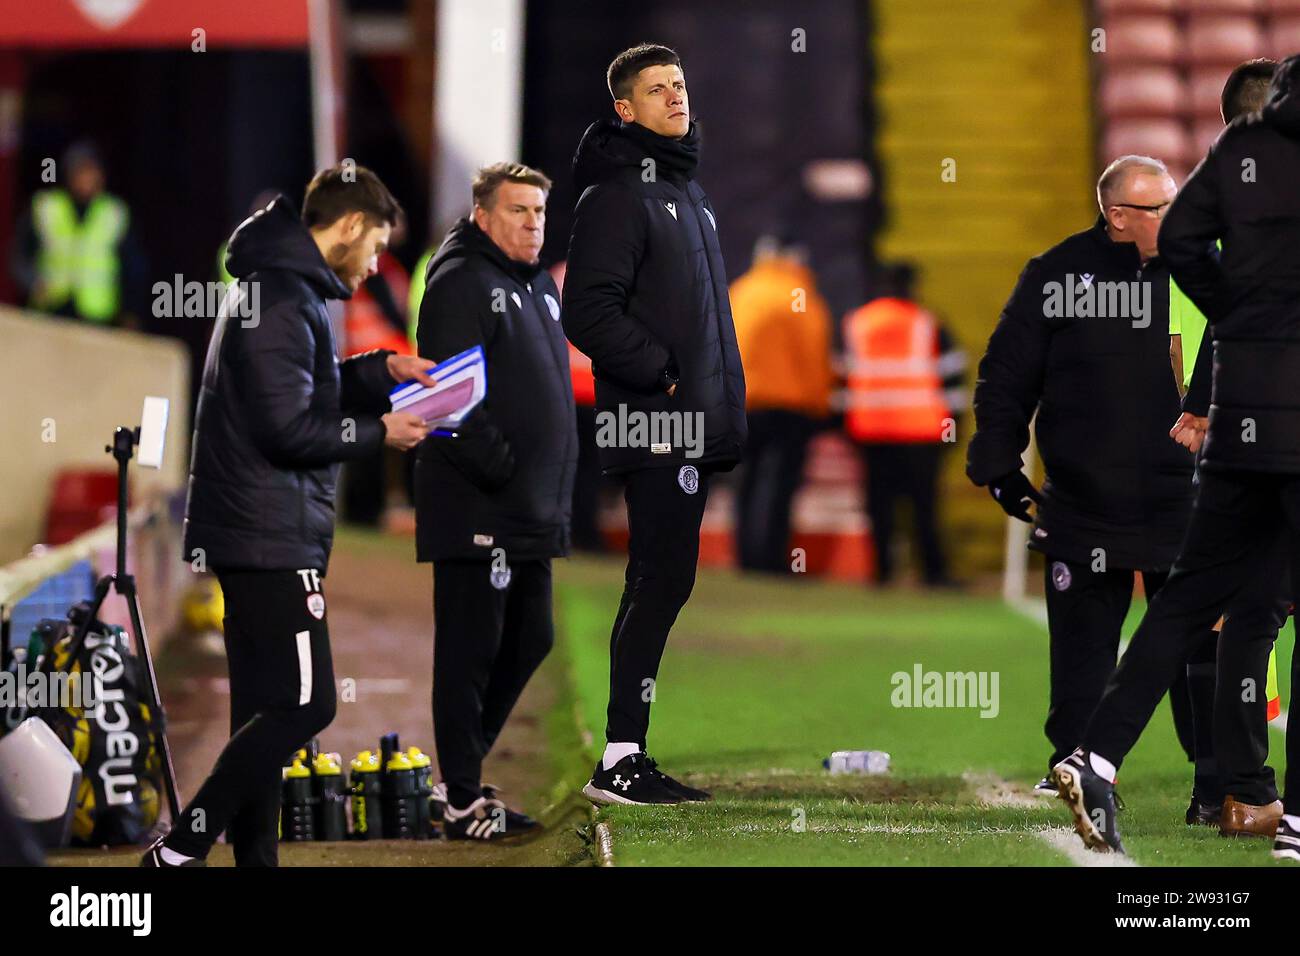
(488, 819)
(438, 798)
(1091, 799)
(688, 793)
(1286, 842)
(1045, 788)
(153, 858)
(438, 802)
(632, 780)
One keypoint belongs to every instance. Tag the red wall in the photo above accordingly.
(136, 23)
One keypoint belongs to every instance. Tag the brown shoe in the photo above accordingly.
(1246, 819)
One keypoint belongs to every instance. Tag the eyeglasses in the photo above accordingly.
(1158, 210)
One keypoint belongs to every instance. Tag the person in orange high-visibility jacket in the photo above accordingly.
(374, 318)
(905, 389)
(783, 331)
(584, 381)
(589, 485)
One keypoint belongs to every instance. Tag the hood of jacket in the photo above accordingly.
(611, 146)
(275, 238)
(1283, 108)
(465, 239)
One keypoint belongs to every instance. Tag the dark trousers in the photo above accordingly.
(493, 627)
(897, 472)
(1231, 542)
(281, 695)
(1085, 613)
(664, 509)
(1249, 632)
(1191, 698)
(772, 472)
(364, 488)
(587, 485)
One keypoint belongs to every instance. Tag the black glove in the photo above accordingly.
(1014, 492)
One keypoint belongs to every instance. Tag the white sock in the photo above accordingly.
(451, 813)
(1102, 767)
(614, 752)
(172, 857)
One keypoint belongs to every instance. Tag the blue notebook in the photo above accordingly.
(461, 386)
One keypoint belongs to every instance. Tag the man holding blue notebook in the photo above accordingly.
(277, 413)
(492, 500)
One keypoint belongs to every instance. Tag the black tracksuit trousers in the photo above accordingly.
(665, 507)
(281, 695)
(1231, 546)
(1085, 613)
(492, 628)
(1249, 632)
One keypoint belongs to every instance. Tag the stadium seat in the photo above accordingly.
(1284, 36)
(1142, 91)
(1142, 39)
(1138, 6)
(1204, 133)
(1247, 7)
(1205, 87)
(1165, 139)
(1179, 172)
(1223, 40)
(83, 498)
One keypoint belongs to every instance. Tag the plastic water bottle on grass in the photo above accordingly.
(857, 761)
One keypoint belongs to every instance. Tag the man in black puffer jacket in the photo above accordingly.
(492, 502)
(645, 296)
(1083, 345)
(1245, 193)
(277, 413)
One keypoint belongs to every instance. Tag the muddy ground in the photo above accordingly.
(381, 628)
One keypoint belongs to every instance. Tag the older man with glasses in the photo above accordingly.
(1083, 343)
(1244, 193)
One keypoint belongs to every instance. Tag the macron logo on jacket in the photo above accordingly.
(671, 207)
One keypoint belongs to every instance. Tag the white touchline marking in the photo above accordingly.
(905, 829)
(897, 829)
(997, 792)
(1028, 607)
(1037, 611)
(1064, 840)
(604, 845)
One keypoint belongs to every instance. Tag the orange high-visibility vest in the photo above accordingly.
(364, 324)
(580, 374)
(895, 393)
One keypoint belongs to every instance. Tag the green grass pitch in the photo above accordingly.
(762, 680)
